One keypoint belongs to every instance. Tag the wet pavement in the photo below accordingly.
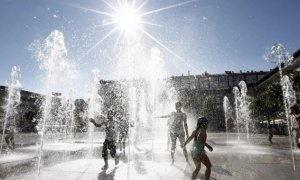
(149, 160)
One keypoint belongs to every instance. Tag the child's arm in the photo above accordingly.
(96, 124)
(186, 126)
(164, 116)
(202, 139)
(189, 138)
(209, 147)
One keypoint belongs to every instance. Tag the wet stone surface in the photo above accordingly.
(231, 159)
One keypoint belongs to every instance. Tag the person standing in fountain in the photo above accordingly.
(270, 131)
(178, 120)
(110, 138)
(198, 153)
(295, 113)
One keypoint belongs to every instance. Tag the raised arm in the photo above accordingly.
(164, 116)
(186, 126)
(96, 124)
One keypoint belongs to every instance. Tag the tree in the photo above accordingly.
(267, 102)
(214, 113)
(2, 113)
(190, 102)
(296, 84)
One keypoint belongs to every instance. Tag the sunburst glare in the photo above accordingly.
(128, 19)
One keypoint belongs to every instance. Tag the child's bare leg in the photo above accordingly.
(12, 141)
(182, 140)
(124, 141)
(198, 167)
(186, 155)
(206, 162)
(7, 140)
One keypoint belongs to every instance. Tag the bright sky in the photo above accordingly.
(209, 35)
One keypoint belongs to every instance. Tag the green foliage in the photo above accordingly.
(296, 80)
(2, 112)
(189, 101)
(296, 84)
(213, 112)
(2, 115)
(267, 102)
(27, 122)
(29, 113)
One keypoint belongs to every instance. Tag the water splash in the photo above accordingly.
(227, 113)
(236, 93)
(13, 100)
(52, 56)
(242, 102)
(279, 55)
(244, 107)
(144, 72)
(94, 105)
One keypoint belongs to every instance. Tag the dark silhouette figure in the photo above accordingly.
(178, 126)
(270, 132)
(110, 138)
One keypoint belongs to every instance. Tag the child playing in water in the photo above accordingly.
(110, 138)
(178, 127)
(197, 151)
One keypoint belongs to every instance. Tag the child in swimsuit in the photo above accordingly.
(197, 151)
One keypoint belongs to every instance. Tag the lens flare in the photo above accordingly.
(128, 19)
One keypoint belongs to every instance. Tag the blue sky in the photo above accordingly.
(211, 35)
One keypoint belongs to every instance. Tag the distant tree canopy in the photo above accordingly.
(296, 80)
(2, 112)
(189, 101)
(267, 102)
(296, 83)
(27, 122)
(2, 115)
(28, 116)
(214, 113)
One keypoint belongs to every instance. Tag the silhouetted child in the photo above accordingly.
(110, 138)
(178, 128)
(197, 151)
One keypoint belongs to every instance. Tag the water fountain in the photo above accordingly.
(13, 100)
(279, 55)
(70, 109)
(242, 102)
(227, 113)
(236, 93)
(144, 72)
(51, 55)
(244, 107)
(94, 105)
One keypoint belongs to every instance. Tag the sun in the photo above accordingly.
(128, 19)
